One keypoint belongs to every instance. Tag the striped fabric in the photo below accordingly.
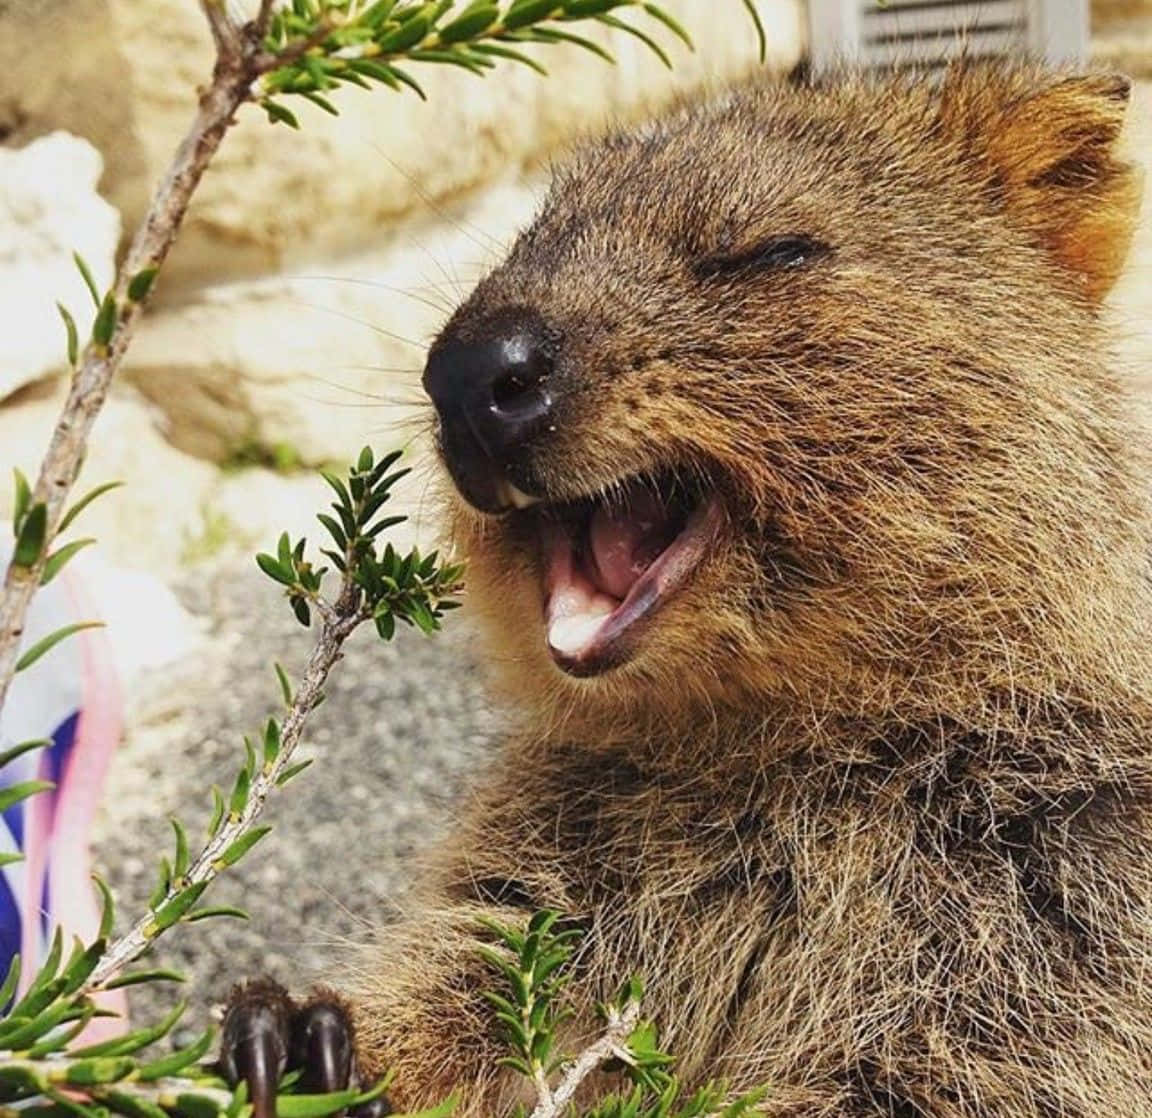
(70, 696)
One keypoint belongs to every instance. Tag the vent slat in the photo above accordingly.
(926, 32)
(933, 48)
(881, 23)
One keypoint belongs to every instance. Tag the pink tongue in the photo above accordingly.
(626, 540)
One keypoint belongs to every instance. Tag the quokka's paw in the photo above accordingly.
(267, 1034)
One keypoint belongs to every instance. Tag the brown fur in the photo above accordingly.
(871, 807)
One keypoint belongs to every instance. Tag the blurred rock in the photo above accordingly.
(304, 368)
(49, 209)
(175, 510)
(147, 523)
(124, 74)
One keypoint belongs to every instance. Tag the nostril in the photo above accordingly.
(515, 390)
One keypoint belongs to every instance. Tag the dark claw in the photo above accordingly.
(254, 1042)
(266, 1034)
(321, 1047)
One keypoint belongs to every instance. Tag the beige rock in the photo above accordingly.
(123, 73)
(175, 510)
(148, 522)
(307, 368)
(49, 209)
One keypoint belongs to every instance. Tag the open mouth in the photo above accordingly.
(610, 562)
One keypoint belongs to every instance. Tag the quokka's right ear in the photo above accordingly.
(1052, 151)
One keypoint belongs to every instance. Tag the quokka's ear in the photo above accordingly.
(1052, 151)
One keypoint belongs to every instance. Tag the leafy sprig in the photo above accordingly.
(323, 44)
(47, 1072)
(385, 586)
(534, 962)
(41, 1068)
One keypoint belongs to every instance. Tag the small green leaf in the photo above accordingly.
(476, 19)
(291, 771)
(107, 907)
(239, 798)
(241, 847)
(219, 807)
(216, 910)
(177, 1061)
(524, 12)
(82, 965)
(174, 909)
(180, 861)
(54, 564)
(84, 502)
(637, 33)
(407, 35)
(498, 51)
(14, 793)
(271, 742)
(314, 1106)
(30, 540)
(190, 1105)
(11, 981)
(141, 284)
(406, 79)
(99, 1069)
(320, 102)
(130, 1105)
(51, 641)
(761, 36)
(285, 684)
(105, 325)
(140, 1038)
(278, 114)
(677, 29)
(89, 282)
(137, 977)
(274, 570)
(23, 499)
(163, 885)
(24, 747)
(71, 333)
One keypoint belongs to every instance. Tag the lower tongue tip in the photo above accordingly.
(570, 636)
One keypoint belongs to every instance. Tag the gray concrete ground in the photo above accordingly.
(403, 728)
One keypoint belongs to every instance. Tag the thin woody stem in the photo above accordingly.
(340, 621)
(553, 1102)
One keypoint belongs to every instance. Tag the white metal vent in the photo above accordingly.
(929, 32)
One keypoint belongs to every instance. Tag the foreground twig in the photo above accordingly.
(339, 622)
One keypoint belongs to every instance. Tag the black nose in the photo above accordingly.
(494, 393)
(499, 387)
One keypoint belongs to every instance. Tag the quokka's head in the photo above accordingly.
(799, 392)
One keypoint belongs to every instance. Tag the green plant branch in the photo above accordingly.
(378, 586)
(339, 622)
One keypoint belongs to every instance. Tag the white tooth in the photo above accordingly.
(520, 499)
(571, 635)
